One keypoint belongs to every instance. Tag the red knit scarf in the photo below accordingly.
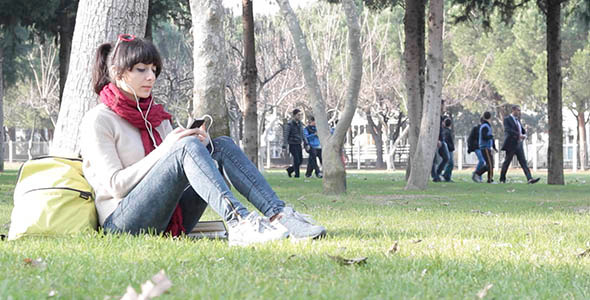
(126, 108)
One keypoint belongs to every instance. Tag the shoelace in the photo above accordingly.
(304, 217)
(260, 223)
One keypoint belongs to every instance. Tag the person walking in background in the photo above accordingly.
(443, 152)
(293, 137)
(514, 135)
(448, 138)
(315, 149)
(486, 144)
(473, 146)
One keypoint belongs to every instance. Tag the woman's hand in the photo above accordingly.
(201, 134)
(179, 133)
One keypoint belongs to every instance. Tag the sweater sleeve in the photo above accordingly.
(101, 147)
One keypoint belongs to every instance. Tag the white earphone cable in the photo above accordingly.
(148, 125)
(207, 130)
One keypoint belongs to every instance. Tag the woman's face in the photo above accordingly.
(140, 78)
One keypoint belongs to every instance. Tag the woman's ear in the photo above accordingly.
(114, 73)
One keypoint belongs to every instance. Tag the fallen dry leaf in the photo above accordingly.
(481, 294)
(150, 289)
(487, 213)
(131, 294)
(349, 261)
(584, 253)
(38, 263)
(423, 272)
(300, 199)
(393, 248)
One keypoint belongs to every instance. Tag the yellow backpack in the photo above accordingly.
(52, 197)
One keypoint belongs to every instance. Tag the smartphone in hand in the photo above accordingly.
(197, 123)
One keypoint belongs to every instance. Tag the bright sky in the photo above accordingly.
(264, 6)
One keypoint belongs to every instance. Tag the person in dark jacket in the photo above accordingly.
(315, 149)
(293, 137)
(443, 152)
(447, 135)
(481, 162)
(514, 135)
(486, 144)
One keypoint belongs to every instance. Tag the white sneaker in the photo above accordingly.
(253, 229)
(474, 177)
(300, 226)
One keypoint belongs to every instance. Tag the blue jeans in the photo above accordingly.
(448, 172)
(437, 169)
(297, 153)
(188, 175)
(312, 163)
(481, 162)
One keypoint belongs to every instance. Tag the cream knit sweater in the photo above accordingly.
(114, 159)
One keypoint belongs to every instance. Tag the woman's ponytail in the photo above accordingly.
(100, 71)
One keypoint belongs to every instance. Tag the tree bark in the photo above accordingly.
(430, 124)
(67, 22)
(334, 172)
(149, 22)
(97, 22)
(554, 101)
(583, 152)
(249, 78)
(415, 61)
(209, 64)
(1, 109)
(377, 134)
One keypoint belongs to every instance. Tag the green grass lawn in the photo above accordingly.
(453, 240)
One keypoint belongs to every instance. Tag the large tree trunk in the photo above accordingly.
(377, 134)
(334, 172)
(209, 59)
(430, 125)
(583, 152)
(149, 22)
(1, 109)
(554, 103)
(97, 22)
(414, 63)
(249, 77)
(67, 22)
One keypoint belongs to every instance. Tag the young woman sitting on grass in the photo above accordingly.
(149, 177)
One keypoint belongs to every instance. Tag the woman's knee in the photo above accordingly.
(190, 142)
(223, 142)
